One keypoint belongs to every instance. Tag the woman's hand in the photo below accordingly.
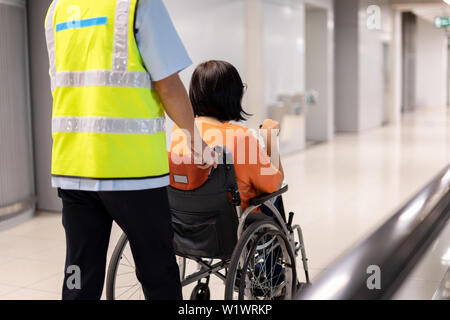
(269, 130)
(270, 124)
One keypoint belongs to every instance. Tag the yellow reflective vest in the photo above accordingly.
(107, 122)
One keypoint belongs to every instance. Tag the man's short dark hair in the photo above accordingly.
(216, 91)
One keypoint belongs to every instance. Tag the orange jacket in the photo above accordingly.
(254, 172)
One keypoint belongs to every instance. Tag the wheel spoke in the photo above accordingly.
(134, 292)
(127, 289)
(130, 263)
(126, 265)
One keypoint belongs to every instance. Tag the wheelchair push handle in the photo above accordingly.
(291, 219)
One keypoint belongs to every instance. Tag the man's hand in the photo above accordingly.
(207, 158)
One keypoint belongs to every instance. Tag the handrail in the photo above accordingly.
(395, 248)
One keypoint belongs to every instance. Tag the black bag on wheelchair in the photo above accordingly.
(204, 219)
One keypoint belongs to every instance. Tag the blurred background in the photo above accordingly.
(361, 89)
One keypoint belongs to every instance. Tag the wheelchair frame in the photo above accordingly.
(208, 269)
(207, 265)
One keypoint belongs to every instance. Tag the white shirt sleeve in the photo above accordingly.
(158, 41)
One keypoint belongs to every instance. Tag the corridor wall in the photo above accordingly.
(363, 27)
(283, 49)
(16, 157)
(41, 102)
(210, 30)
(431, 65)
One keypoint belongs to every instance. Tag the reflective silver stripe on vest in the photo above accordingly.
(108, 125)
(102, 78)
(50, 35)
(120, 49)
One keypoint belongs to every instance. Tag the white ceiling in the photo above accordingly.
(428, 10)
(433, 11)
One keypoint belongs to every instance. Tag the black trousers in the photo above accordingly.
(145, 218)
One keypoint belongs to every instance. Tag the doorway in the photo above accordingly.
(409, 36)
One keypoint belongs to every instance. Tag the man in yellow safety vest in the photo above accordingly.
(114, 68)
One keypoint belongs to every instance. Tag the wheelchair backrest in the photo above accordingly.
(204, 219)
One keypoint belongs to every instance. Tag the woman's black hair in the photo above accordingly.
(216, 91)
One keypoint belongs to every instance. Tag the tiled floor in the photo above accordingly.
(32, 258)
(340, 191)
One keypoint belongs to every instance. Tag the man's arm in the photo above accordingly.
(176, 102)
(164, 56)
(178, 107)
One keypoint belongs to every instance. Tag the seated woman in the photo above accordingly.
(216, 93)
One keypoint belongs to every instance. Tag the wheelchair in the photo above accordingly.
(252, 253)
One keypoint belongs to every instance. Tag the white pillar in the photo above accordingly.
(255, 63)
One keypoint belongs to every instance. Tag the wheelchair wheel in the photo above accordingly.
(121, 280)
(262, 266)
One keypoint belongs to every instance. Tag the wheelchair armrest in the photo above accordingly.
(267, 196)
